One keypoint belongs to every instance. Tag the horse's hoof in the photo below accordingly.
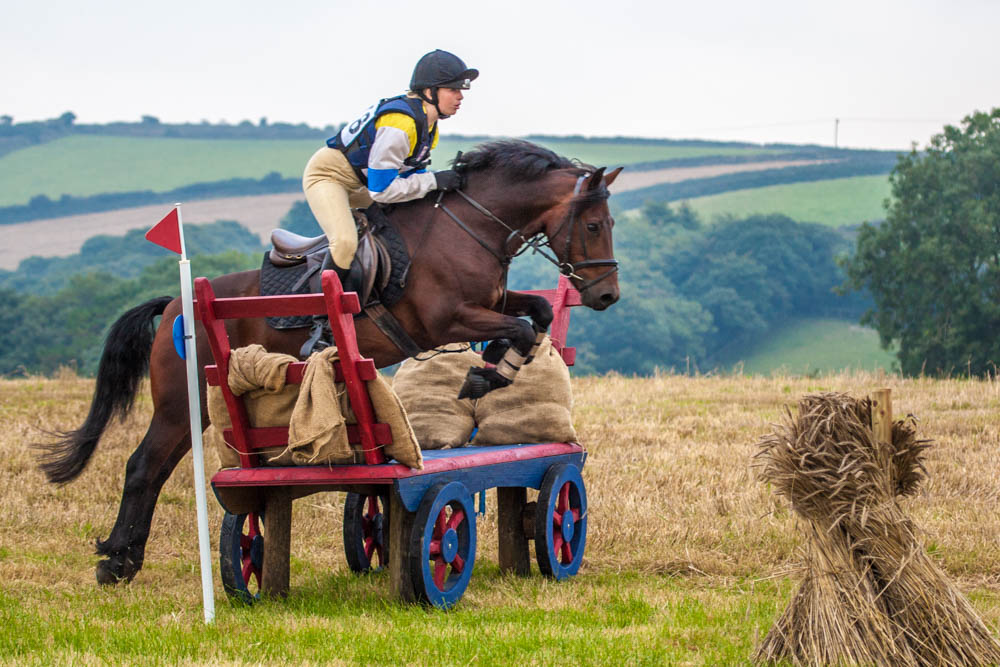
(106, 575)
(481, 381)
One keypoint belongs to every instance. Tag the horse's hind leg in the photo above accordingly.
(165, 444)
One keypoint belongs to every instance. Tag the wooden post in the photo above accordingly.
(277, 543)
(400, 529)
(882, 415)
(513, 542)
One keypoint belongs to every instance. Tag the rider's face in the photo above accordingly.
(449, 100)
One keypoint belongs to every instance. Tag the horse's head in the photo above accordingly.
(580, 234)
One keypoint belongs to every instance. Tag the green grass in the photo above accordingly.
(810, 346)
(87, 165)
(834, 202)
(589, 620)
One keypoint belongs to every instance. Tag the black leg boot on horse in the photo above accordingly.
(320, 336)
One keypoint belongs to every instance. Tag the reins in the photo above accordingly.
(535, 242)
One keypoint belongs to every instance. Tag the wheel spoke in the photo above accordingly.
(557, 518)
(440, 569)
(567, 553)
(249, 571)
(369, 547)
(456, 519)
(372, 507)
(563, 503)
(557, 542)
(458, 564)
(434, 548)
(439, 524)
(245, 542)
(576, 514)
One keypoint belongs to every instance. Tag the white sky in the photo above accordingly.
(893, 71)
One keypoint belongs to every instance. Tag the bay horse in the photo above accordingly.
(460, 244)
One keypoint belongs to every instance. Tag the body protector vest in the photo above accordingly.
(356, 139)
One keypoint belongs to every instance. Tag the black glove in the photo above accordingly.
(449, 179)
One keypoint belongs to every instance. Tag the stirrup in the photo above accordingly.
(320, 337)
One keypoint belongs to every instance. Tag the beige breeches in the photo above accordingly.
(332, 189)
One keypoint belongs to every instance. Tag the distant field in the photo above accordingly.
(835, 202)
(87, 165)
(810, 346)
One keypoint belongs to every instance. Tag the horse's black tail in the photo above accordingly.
(124, 363)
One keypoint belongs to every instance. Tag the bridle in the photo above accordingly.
(537, 243)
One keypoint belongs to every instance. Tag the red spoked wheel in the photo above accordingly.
(561, 522)
(366, 525)
(241, 555)
(443, 544)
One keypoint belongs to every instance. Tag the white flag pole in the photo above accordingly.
(194, 408)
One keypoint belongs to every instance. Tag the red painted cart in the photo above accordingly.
(421, 523)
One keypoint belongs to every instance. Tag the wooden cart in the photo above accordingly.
(419, 523)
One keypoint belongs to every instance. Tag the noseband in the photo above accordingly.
(536, 243)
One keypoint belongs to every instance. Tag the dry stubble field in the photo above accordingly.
(675, 513)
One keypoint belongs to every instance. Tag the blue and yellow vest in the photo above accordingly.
(355, 139)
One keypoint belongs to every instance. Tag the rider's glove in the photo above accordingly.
(449, 179)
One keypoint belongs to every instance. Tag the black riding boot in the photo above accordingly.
(320, 336)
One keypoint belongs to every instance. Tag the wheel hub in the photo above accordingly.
(449, 545)
(567, 526)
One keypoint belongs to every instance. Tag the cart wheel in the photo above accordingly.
(366, 531)
(443, 544)
(561, 522)
(241, 555)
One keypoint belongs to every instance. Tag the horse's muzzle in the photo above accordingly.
(599, 297)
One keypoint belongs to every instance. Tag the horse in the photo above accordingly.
(459, 242)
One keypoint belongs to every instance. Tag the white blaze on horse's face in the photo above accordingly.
(585, 241)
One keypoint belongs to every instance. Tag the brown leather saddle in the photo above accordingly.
(370, 271)
(378, 273)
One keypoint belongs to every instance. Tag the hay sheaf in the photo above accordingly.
(871, 594)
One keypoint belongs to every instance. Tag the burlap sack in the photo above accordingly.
(536, 408)
(428, 390)
(316, 412)
(258, 376)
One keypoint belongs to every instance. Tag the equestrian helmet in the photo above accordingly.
(440, 69)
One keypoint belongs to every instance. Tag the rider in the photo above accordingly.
(383, 155)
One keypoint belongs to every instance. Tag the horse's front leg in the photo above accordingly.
(538, 308)
(476, 323)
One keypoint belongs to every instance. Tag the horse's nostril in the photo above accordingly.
(607, 298)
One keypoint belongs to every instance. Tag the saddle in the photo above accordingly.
(378, 274)
(378, 271)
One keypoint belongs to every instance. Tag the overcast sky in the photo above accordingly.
(893, 71)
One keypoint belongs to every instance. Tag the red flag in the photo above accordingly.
(167, 232)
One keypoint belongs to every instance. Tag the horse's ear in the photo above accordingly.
(595, 179)
(610, 178)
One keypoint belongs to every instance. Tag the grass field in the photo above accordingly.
(811, 346)
(86, 165)
(835, 202)
(689, 559)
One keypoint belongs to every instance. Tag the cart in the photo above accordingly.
(421, 524)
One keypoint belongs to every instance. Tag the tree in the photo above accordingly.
(933, 266)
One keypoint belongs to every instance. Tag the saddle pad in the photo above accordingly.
(281, 281)
(393, 242)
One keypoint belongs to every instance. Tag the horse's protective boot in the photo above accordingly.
(481, 381)
(320, 336)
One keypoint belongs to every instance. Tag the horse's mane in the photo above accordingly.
(520, 160)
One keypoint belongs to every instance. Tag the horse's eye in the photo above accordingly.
(593, 226)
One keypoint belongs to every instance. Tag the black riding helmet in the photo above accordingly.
(440, 69)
